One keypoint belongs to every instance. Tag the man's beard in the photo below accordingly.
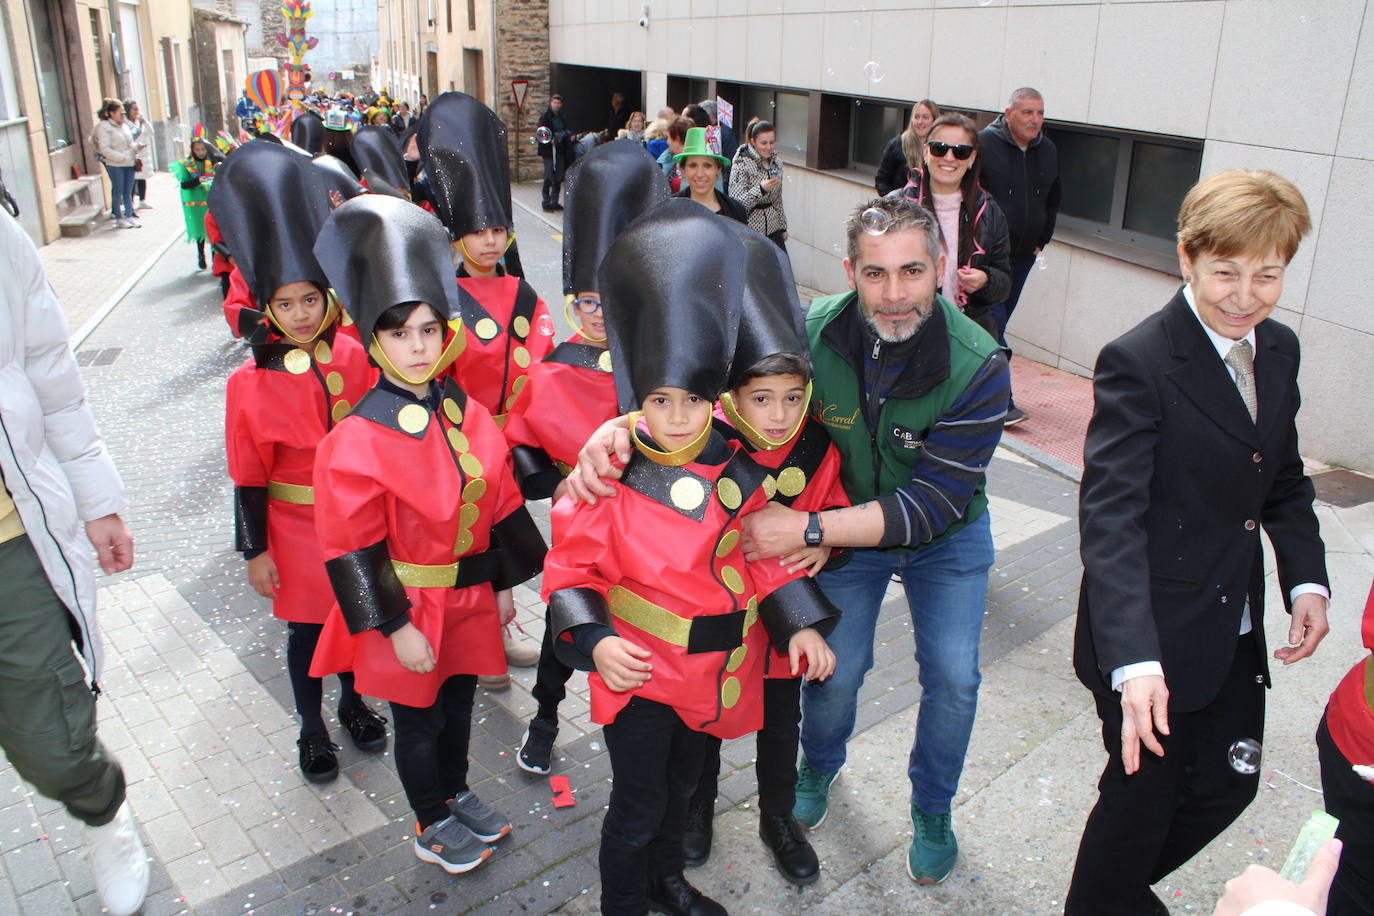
(922, 314)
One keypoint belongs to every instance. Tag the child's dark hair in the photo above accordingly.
(398, 315)
(778, 364)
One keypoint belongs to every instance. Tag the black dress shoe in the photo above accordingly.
(676, 897)
(317, 760)
(365, 727)
(696, 837)
(792, 852)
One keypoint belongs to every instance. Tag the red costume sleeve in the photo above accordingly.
(350, 504)
(585, 540)
(249, 454)
(238, 299)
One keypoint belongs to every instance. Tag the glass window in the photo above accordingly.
(1160, 177)
(755, 103)
(51, 79)
(791, 112)
(872, 128)
(1091, 160)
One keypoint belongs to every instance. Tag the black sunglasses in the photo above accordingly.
(939, 150)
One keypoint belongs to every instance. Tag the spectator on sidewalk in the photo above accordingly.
(633, 129)
(905, 148)
(701, 170)
(1021, 172)
(116, 147)
(618, 117)
(144, 166)
(656, 137)
(402, 120)
(57, 475)
(1192, 450)
(667, 160)
(756, 182)
(556, 153)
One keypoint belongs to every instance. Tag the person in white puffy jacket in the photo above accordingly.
(58, 479)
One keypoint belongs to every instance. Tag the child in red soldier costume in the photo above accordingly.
(301, 379)
(1345, 747)
(650, 588)
(767, 404)
(463, 151)
(506, 325)
(423, 528)
(571, 391)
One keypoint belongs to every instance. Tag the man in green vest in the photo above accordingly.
(914, 395)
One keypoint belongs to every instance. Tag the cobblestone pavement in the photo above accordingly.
(199, 710)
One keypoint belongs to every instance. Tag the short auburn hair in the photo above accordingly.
(1243, 211)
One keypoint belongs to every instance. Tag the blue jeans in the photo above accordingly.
(1001, 312)
(121, 190)
(945, 587)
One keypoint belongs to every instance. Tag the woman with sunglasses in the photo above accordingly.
(977, 269)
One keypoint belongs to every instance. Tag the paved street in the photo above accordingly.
(198, 707)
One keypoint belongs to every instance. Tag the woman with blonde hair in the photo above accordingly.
(904, 150)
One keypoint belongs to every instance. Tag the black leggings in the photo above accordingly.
(431, 748)
(309, 691)
(141, 188)
(776, 769)
(550, 678)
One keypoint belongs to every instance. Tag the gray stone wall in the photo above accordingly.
(522, 50)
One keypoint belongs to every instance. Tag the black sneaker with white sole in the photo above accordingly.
(536, 747)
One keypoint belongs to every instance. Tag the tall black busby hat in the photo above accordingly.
(337, 176)
(608, 189)
(378, 155)
(307, 132)
(379, 251)
(671, 286)
(270, 203)
(463, 152)
(771, 315)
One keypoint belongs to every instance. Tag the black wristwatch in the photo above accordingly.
(813, 529)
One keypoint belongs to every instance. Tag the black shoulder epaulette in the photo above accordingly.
(525, 301)
(661, 483)
(581, 356)
(805, 458)
(386, 408)
(271, 355)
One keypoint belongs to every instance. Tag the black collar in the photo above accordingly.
(925, 355)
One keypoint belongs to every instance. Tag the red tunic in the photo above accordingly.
(508, 330)
(1348, 714)
(219, 264)
(276, 412)
(678, 550)
(566, 397)
(434, 495)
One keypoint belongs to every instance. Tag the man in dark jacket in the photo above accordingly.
(555, 152)
(1021, 172)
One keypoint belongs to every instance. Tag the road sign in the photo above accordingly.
(521, 88)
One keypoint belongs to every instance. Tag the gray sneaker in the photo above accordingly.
(473, 813)
(451, 846)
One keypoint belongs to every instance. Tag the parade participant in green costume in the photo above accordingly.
(196, 172)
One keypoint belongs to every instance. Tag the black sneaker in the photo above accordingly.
(318, 763)
(696, 836)
(536, 747)
(365, 726)
(1014, 415)
(451, 846)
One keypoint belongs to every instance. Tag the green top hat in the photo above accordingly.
(695, 145)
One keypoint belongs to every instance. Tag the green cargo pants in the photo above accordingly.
(47, 710)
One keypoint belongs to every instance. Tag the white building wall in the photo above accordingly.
(1281, 84)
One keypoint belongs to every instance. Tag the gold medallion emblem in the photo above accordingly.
(604, 360)
(521, 326)
(518, 385)
(412, 418)
(467, 515)
(485, 328)
(737, 658)
(687, 493)
(463, 543)
(730, 692)
(475, 490)
(791, 481)
(732, 579)
(521, 357)
(471, 466)
(770, 486)
(334, 382)
(453, 411)
(726, 544)
(728, 492)
(297, 362)
(457, 440)
(323, 353)
(340, 410)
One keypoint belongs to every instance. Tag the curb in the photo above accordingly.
(1042, 458)
(539, 214)
(105, 309)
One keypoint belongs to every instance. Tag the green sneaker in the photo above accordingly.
(933, 847)
(812, 801)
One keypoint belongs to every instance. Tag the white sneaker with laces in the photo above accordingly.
(135, 222)
(122, 223)
(119, 862)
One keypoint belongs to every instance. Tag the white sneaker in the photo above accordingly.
(122, 223)
(143, 205)
(135, 222)
(119, 862)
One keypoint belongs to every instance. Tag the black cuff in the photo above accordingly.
(365, 584)
(394, 624)
(255, 552)
(522, 549)
(576, 607)
(221, 249)
(535, 472)
(250, 519)
(797, 605)
(894, 522)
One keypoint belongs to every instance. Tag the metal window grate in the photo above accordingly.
(89, 358)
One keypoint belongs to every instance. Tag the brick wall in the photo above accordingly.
(522, 50)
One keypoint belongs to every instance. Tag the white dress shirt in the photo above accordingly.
(1223, 346)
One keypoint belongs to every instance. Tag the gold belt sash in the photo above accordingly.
(291, 493)
(660, 622)
(417, 575)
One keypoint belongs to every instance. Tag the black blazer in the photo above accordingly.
(1177, 482)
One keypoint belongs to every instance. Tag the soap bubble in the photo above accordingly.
(874, 71)
(1244, 756)
(875, 221)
